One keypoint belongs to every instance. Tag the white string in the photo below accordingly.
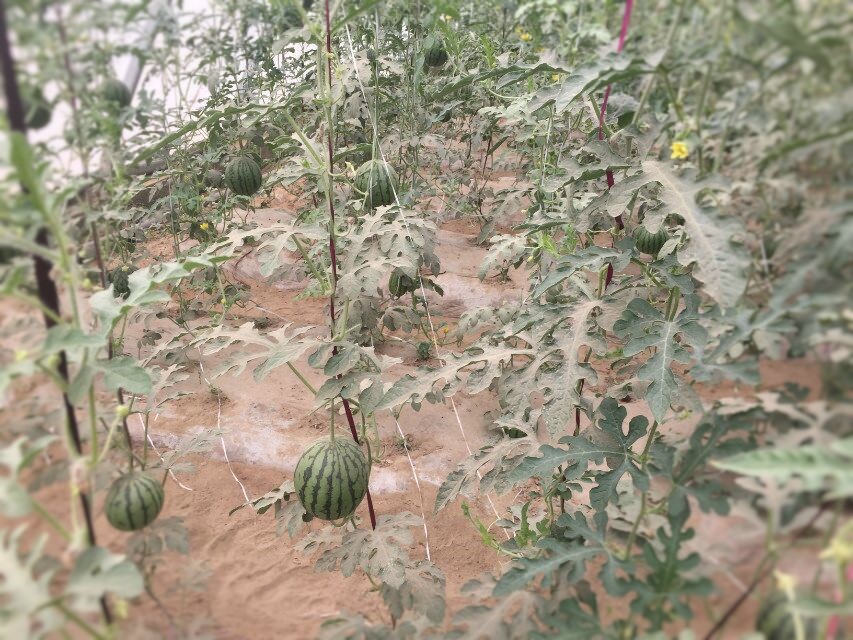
(221, 438)
(154, 447)
(417, 484)
(420, 278)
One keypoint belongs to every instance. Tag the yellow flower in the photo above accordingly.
(121, 608)
(204, 226)
(445, 18)
(525, 37)
(679, 150)
(786, 583)
(555, 77)
(125, 269)
(224, 301)
(839, 550)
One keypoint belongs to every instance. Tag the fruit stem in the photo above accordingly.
(644, 457)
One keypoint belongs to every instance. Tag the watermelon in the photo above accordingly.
(116, 92)
(134, 501)
(776, 621)
(119, 278)
(243, 176)
(648, 242)
(377, 181)
(291, 18)
(36, 110)
(435, 55)
(331, 478)
(399, 284)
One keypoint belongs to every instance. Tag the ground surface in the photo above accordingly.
(258, 586)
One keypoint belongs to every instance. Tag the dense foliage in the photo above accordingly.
(678, 208)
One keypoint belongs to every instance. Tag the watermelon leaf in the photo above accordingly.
(643, 327)
(379, 552)
(98, 572)
(671, 582)
(714, 242)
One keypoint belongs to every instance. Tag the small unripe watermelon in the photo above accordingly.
(648, 242)
(243, 176)
(435, 55)
(377, 181)
(120, 279)
(399, 284)
(36, 110)
(331, 478)
(134, 501)
(776, 621)
(116, 92)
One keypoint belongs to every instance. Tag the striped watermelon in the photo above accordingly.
(116, 92)
(648, 242)
(243, 176)
(377, 181)
(436, 55)
(331, 478)
(776, 621)
(134, 501)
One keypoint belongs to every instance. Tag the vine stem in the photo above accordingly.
(623, 34)
(602, 112)
(332, 248)
(759, 579)
(96, 238)
(643, 499)
(671, 310)
(46, 287)
(650, 84)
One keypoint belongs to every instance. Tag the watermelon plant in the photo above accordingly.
(564, 287)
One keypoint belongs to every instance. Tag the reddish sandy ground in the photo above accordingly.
(258, 586)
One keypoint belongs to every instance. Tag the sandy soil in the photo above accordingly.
(258, 586)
